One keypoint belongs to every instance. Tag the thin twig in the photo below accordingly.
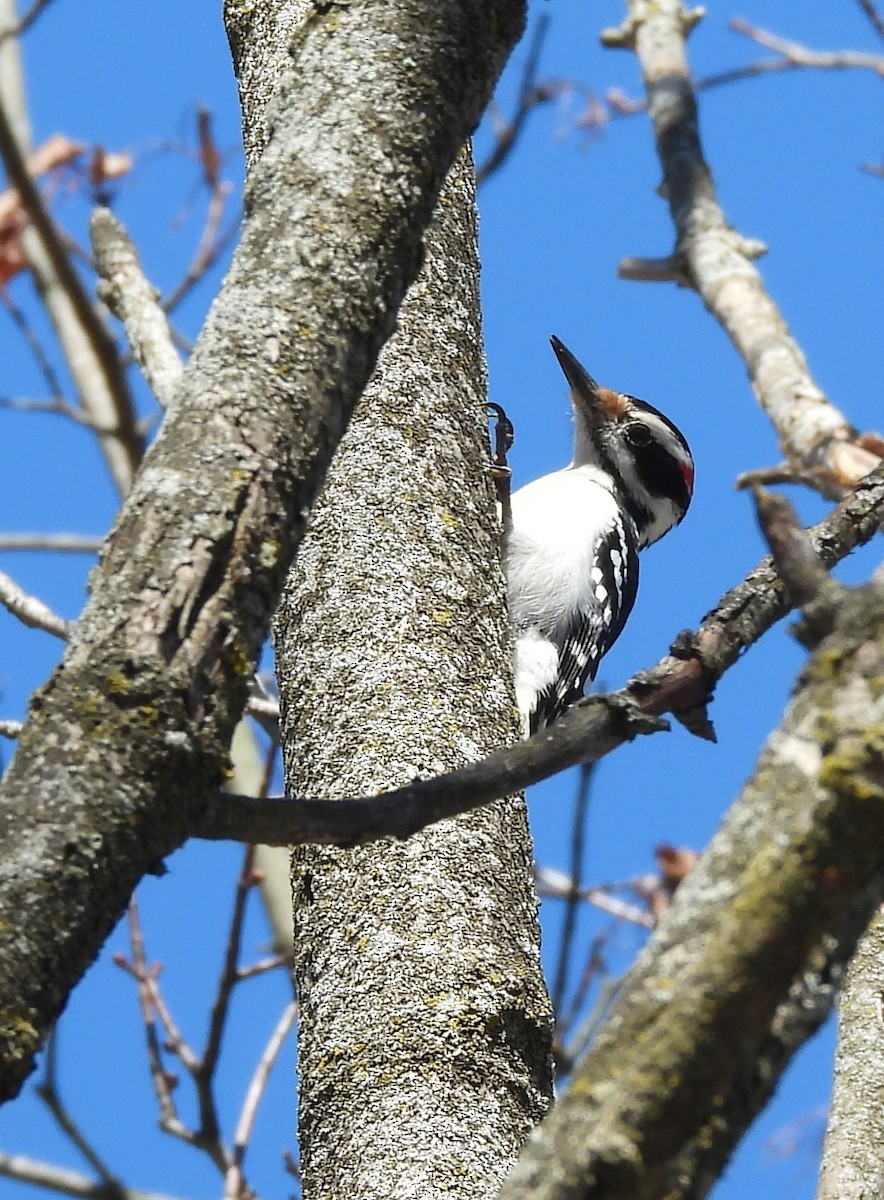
(263, 967)
(202, 1068)
(228, 977)
(47, 1090)
(153, 1003)
(203, 260)
(36, 10)
(794, 54)
(125, 446)
(30, 610)
(41, 358)
(594, 967)
(213, 242)
(64, 1181)
(530, 95)
(791, 56)
(558, 885)
(871, 11)
(58, 407)
(234, 1185)
(593, 1021)
(265, 710)
(572, 902)
(62, 543)
(163, 1080)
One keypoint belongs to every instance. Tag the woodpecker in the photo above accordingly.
(572, 538)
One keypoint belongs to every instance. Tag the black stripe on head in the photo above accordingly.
(643, 406)
(660, 473)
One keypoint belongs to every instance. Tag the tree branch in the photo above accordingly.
(853, 1154)
(89, 349)
(66, 1182)
(30, 610)
(746, 961)
(530, 95)
(63, 543)
(871, 10)
(156, 672)
(234, 1183)
(128, 294)
(680, 683)
(718, 261)
(794, 54)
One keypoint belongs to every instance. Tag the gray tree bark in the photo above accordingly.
(365, 106)
(746, 962)
(853, 1154)
(426, 1029)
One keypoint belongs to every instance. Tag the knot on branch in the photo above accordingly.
(628, 719)
(681, 683)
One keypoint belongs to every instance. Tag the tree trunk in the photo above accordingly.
(367, 105)
(853, 1154)
(426, 1029)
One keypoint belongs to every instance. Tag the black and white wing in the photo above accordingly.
(594, 626)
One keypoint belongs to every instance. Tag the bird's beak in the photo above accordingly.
(595, 401)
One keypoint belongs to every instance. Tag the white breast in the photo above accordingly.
(557, 523)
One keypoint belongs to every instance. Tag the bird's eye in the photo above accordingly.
(637, 434)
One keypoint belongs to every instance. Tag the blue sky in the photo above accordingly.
(785, 152)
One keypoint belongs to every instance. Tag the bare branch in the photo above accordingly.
(784, 472)
(207, 254)
(717, 260)
(794, 54)
(202, 1068)
(530, 95)
(560, 886)
(30, 610)
(57, 407)
(88, 347)
(61, 543)
(128, 294)
(64, 1181)
(163, 1081)
(153, 1005)
(213, 240)
(797, 563)
(681, 683)
(48, 1092)
(578, 835)
(227, 981)
(11, 729)
(617, 103)
(265, 710)
(41, 358)
(36, 10)
(871, 10)
(234, 1183)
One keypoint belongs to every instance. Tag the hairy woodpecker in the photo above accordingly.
(571, 544)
